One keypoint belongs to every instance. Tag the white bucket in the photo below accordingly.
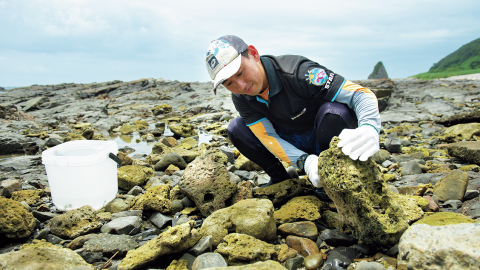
(81, 173)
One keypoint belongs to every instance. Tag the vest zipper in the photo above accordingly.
(300, 114)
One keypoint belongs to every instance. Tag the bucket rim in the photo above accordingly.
(50, 157)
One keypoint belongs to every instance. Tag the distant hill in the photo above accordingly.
(463, 61)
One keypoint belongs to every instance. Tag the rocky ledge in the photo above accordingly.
(185, 203)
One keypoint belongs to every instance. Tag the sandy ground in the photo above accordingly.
(469, 77)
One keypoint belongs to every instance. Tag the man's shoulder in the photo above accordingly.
(287, 63)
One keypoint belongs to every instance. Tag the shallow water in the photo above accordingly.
(145, 148)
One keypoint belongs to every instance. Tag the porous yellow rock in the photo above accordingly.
(188, 143)
(156, 198)
(75, 222)
(159, 150)
(184, 130)
(241, 249)
(15, 220)
(29, 196)
(299, 208)
(133, 175)
(73, 137)
(364, 201)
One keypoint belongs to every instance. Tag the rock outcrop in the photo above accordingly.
(379, 72)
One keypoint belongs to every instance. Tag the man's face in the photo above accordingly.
(250, 78)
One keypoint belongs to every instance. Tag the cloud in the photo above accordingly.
(171, 37)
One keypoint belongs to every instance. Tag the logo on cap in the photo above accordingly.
(212, 62)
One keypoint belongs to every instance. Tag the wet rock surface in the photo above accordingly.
(429, 155)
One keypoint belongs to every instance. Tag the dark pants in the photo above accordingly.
(331, 119)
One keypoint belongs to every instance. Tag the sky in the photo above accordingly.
(84, 41)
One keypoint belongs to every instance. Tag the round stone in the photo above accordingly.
(314, 261)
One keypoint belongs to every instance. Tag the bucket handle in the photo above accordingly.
(116, 159)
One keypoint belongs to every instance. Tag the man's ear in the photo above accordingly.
(252, 51)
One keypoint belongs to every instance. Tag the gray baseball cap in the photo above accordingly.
(223, 58)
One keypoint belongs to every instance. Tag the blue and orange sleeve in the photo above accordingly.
(363, 101)
(264, 131)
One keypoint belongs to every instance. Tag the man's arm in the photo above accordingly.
(363, 101)
(264, 131)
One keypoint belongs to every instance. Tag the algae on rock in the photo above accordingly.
(174, 240)
(364, 202)
(156, 198)
(460, 132)
(281, 192)
(299, 208)
(159, 150)
(15, 220)
(133, 175)
(75, 222)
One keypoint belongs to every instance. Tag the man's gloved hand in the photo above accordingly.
(311, 168)
(360, 143)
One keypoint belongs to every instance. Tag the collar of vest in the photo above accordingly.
(272, 77)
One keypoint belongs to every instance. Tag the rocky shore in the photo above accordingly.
(188, 200)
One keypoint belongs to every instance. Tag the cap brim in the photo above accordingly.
(227, 72)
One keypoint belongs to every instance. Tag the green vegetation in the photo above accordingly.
(463, 61)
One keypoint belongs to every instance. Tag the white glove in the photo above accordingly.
(360, 143)
(311, 168)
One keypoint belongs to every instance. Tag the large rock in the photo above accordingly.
(133, 175)
(365, 203)
(252, 217)
(242, 249)
(206, 182)
(452, 186)
(75, 222)
(440, 247)
(461, 132)
(468, 151)
(15, 220)
(42, 255)
(379, 72)
(174, 240)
